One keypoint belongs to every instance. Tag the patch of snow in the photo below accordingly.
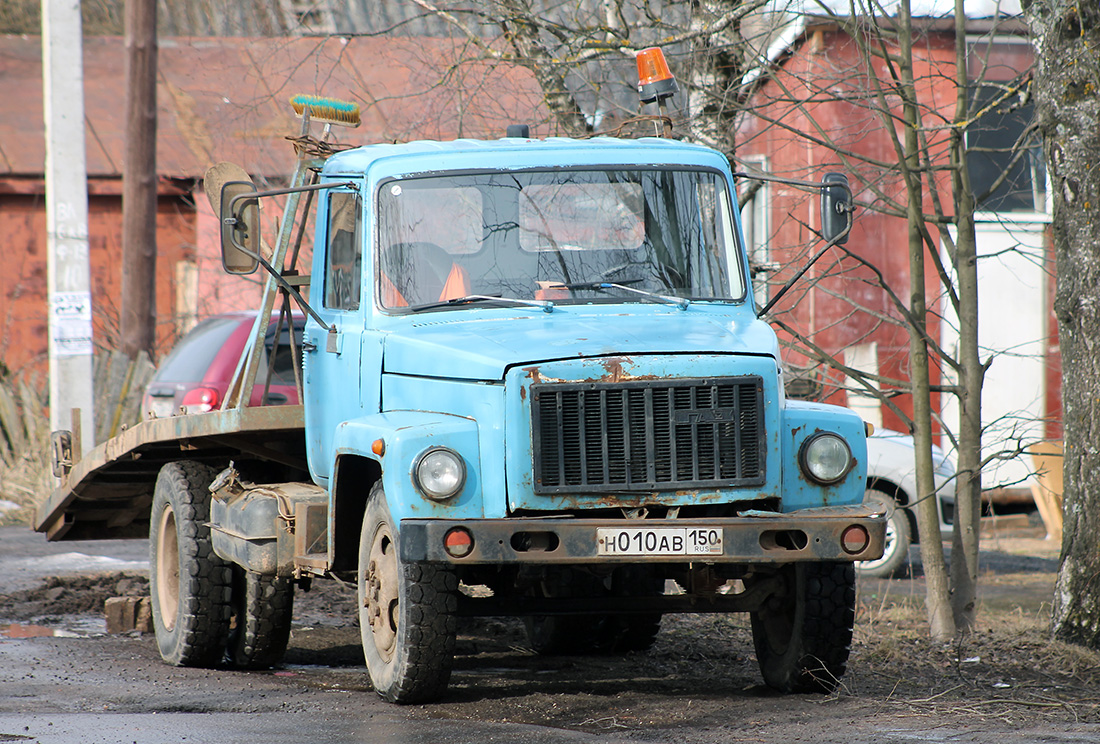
(73, 563)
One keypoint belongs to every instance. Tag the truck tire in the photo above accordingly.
(626, 633)
(551, 635)
(407, 613)
(554, 635)
(262, 609)
(803, 637)
(189, 584)
(895, 556)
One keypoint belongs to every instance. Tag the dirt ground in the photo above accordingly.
(699, 683)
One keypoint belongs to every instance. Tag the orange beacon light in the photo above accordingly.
(655, 81)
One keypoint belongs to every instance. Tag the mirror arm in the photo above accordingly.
(283, 283)
(296, 190)
(790, 283)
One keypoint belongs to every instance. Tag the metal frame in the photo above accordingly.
(764, 538)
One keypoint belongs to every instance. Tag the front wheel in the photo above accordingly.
(406, 613)
(803, 635)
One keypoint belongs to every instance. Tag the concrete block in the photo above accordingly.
(125, 614)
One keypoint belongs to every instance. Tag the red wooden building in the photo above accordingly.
(218, 99)
(819, 107)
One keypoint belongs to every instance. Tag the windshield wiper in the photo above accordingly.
(544, 305)
(679, 302)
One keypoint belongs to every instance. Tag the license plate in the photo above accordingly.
(659, 541)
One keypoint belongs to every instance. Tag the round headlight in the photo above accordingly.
(825, 458)
(440, 473)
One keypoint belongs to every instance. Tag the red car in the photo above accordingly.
(195, 375)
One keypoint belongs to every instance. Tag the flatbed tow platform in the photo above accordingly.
(108, 492)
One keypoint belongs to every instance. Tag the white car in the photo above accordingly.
(892, 480)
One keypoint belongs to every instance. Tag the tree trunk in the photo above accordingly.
(937, 603)
(968, 504)
(137, 324)
(1067, 82)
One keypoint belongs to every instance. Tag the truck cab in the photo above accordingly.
(538, 368)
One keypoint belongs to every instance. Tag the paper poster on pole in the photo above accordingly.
(71, 323)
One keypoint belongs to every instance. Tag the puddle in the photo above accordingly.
(75, 628)
(26, 631)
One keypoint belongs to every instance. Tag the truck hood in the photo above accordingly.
(482, 348)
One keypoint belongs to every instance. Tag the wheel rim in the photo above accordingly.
(168, 568)
(381, 589)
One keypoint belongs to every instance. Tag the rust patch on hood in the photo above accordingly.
(614, 367)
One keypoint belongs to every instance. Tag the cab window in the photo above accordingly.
(344, 256)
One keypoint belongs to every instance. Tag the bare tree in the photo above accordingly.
(582, 55)
(897, 94)
(1067, 34)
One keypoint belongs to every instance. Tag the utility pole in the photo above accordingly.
(137, 324)
(68, 274)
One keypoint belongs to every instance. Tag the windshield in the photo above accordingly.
(563, 235)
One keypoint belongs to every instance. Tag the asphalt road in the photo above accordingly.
(67, 690)
(100, 688)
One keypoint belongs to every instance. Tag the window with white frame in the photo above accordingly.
(1003, 150)
(756, 224)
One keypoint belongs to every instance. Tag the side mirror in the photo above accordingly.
(240, 227)
(836, 208)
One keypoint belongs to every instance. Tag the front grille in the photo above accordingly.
(648, 436)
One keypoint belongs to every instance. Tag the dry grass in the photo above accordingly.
(1008, 669)
(99, 17)
(24, 448)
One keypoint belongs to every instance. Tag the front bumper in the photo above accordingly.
(757, 537)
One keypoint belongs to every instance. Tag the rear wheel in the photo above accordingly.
(602, 633)
(262, 609)
(552, 635)
(803, 636)
(406, 613)
(189, 584)
(895, 554)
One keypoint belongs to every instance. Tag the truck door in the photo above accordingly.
(331, 360)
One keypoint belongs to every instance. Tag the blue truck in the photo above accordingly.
(534, 383)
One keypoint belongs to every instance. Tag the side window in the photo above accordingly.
(344, 256)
